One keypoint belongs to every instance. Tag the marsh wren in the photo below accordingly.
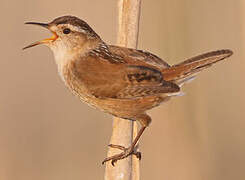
(120, 81)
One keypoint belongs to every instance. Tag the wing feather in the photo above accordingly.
(103, 79)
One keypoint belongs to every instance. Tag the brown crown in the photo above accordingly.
(72, 20)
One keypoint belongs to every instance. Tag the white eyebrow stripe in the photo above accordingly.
(75, 28)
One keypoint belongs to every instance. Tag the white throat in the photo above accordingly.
(62, 57)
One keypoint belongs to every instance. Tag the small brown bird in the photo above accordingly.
(117, 80)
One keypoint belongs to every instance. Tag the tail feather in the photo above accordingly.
(187, 69)
(186, 80)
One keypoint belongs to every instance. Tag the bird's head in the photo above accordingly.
(69, 34)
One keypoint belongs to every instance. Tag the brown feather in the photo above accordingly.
(139, 57)
(110, 80)
(192, 66)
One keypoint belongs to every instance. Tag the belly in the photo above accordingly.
(124, 108)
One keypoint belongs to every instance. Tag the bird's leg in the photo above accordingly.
(126, 151)
(131, 150)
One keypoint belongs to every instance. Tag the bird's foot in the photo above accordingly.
(126, 152)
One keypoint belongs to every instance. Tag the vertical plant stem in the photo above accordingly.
(124, 131)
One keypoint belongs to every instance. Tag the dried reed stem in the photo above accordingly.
(124, 131)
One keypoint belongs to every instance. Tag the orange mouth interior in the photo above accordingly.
(51, 39)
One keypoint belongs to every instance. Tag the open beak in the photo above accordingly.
(53, 38)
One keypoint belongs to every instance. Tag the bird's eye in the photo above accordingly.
(66, 31)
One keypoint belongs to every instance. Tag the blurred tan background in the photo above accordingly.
(47, 134)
